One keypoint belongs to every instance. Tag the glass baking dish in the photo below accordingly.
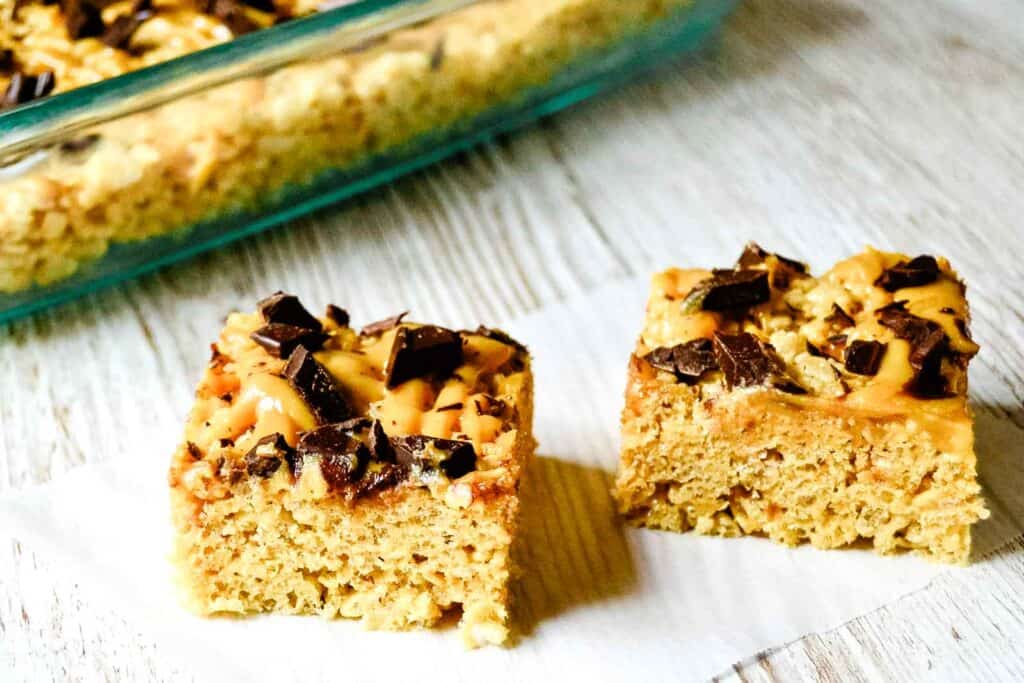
(108, 181)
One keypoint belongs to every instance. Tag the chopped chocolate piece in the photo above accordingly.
(662, 358)
(82, 19)
(753, 254)
(747, 361)
(338, 314)
(694, 358)
(498, 336)
(280, 339)
(423, 350)
(836, 339)
(450, 406)
(24, 88)
(947, 310)
(226, 443)
(918, 271)
(266, 456)
(863, 357)
(380, 476)
(342, 456)
(495, 407)
(688, 361)
(839, 317)
(78, 145)
(119, 33)
(814, 350)
(316, 387)
(928, 345)
(383, 325)
(286, 308)
(379, 443)
(232, 13)
(454, 458)
(261, 5)
(194, 451)
(728, 290)
(6, 60)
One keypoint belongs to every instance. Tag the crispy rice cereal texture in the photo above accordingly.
(761, 400)
(233, 147)
(395, 504)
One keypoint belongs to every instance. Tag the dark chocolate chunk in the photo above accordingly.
(814, 350)
(342, 456)
(747, 361)
(383, 325)
(379, 443)
(839, 317)
(454, 458)
(921, 270)
(380, 476)
(338, 314)
(728, 290)
(82, 19)
(280, 339)
(194, 451)
(450, 406)
(947, 310)
(928, 346)
(421, 351)
(6, 60)
(232, 14)
(499, 336)
(120, 32)
(266, 456)
(261, 5)
(495, 407)
(688, 361)
(286, 308)
(863, 357)
(316, 387)
(78, 145)
(753, 255)
(24, 88)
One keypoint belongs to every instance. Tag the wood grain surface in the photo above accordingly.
(813, 127)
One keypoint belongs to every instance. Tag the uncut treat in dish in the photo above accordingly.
(235, 146)
(762, 400)
(369, 474)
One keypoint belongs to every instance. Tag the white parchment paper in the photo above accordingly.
(597, 602)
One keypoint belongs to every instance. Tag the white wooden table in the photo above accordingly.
(814, 128)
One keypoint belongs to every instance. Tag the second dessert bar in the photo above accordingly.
(762, 400)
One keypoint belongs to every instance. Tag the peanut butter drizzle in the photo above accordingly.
(265, 403)
(803, 309)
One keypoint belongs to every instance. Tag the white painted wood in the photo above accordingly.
(815, 127)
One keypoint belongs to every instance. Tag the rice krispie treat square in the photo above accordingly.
(762, 400)
(371, 474)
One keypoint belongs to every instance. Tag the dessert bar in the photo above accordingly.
(370, 474)
(762, 400)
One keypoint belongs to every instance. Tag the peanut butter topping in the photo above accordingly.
(880, 332)
(349, 392)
